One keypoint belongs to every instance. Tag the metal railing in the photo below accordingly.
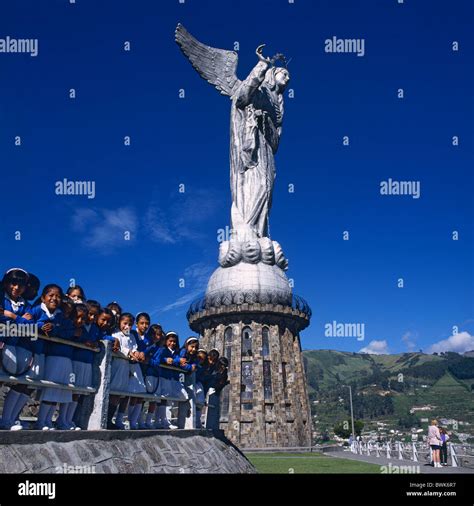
(99, 393)
(23, 379)
(459, 455)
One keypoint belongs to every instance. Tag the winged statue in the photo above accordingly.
(256, 126)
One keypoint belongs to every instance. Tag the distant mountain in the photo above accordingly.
(399, 390)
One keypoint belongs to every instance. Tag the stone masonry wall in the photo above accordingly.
(121, 452)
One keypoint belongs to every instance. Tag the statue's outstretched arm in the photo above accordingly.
(244, 93)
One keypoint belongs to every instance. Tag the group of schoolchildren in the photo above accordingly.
(146, 360)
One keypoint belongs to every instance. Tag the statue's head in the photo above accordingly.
(282, 77)
(277, 78)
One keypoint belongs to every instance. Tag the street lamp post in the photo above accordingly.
(352, 412)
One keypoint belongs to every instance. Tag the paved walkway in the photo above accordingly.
(383, 461)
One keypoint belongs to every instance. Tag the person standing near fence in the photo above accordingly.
(444, 446)
(434, 440)
(168, 383)
(219, 379)
(189, 353)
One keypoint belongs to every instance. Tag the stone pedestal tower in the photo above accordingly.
(250, 315)
(249, 312)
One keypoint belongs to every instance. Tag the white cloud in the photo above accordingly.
(376, 348)
(410, 343)
(104, 229)
(458, 343)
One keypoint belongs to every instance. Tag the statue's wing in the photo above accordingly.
(217, 66)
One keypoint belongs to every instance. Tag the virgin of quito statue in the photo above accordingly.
(249, 312)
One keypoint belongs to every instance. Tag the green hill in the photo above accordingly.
(398, 390)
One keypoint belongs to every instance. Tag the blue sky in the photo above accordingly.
(185, 141)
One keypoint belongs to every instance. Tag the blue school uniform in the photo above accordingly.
(41, 316)
(94, 334)
(150, 351)
(159, 358)
(150, 372)
(169, 385)
(191, 359)
(64, 329)
(17, 355)
(58, 362)
(20, 307)
(83, 359)
(143, 342)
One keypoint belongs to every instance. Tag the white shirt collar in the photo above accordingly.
(16, 304)
(46, 310)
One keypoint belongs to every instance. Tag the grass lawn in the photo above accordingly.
(297, 463)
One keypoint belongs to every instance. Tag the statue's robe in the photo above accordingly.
(256, 118)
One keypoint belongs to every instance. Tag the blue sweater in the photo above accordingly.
(191, 359)
(64, 329)
(94, 334)
(159, 358)
(150, 351)
(40, 317)
(24, 308)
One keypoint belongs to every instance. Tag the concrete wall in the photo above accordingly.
(161, 451)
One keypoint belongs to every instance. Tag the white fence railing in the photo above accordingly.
(458, 454)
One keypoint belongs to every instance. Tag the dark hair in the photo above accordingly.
(223, 361)
(80, 307)
(66, 301)
(93, 304)
(76, 287)
(47, 288)
(32, 287)
(116, 304)
(107, 311)
(126, 315)
(15, 276)
(143, 315)
(33, 281)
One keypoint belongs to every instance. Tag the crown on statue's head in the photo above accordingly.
(279, 57)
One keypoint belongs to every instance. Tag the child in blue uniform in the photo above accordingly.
(76, 294)
(126, 344)
(32, 287)
(217, 382)
(202, 378)
(82, 359)
(58, 368)
(116, 311)
(156, 336)
(45, 315)
(136, 382)
(16, 352)
(189, 353)
(166, 355)
(106, 323)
